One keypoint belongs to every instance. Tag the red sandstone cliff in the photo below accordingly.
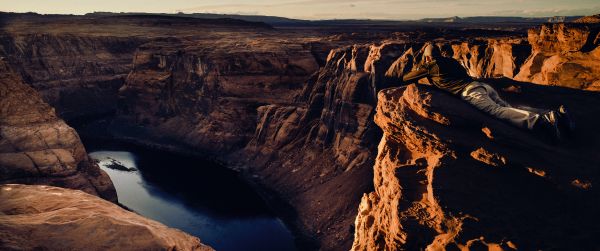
(243, 98)
(564, 54)
(449, 177)
(491, 58)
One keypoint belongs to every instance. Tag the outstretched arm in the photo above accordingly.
(415, 75)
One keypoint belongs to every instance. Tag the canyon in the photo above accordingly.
(316, 121)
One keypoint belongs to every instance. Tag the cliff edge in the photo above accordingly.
(449, 177)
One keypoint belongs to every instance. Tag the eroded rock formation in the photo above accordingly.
(52, 218)
(491, 58)
(448, 177)
(564, 54)
(37, 147)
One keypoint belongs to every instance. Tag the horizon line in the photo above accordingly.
(291, 18)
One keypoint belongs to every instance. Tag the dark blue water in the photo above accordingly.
(194, 195)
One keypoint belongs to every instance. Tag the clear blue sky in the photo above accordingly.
(319, 9)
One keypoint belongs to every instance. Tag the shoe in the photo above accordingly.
(547, 125)
(565, 123)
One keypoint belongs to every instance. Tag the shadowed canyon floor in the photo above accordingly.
(314, 119)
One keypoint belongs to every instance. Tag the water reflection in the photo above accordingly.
(195, 196)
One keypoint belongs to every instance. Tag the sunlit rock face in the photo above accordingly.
(491, 58)
(449, 177)
(565, 54)
(37, 147)
(51, 218)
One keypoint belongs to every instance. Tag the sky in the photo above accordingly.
(318, 9)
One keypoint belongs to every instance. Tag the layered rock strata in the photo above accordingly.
(204, 95)
(37, 147)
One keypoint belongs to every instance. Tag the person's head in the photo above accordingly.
(430, 53)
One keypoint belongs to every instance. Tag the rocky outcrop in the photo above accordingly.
(52, 218)
(491, 58)
(448, 177)
(37, 147)
(564, 54)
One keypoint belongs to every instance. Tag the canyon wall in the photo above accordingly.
(244, 99)
(37, 147)
(79, 75)
(205, 95)
(316, 153)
